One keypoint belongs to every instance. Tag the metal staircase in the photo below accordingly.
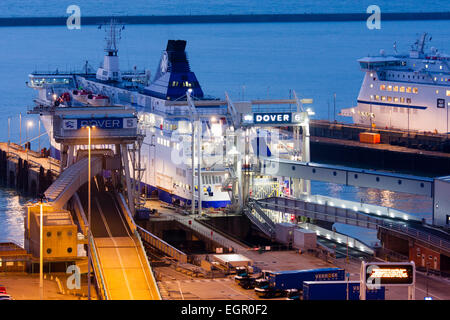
(254, 212)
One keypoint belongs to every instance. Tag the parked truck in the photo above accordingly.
(337, 290)
(281, 282)
(247, 279)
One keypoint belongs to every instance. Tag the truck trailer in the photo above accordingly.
(278, 283)
(337, 290)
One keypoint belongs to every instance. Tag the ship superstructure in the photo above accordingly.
(405, 91)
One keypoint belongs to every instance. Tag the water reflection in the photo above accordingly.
(420, 206)
(12, 215)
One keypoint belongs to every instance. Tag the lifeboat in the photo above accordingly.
(98, 100)
(81, 95)
(63, 99)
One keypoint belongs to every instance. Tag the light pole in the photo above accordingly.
(89, 211)
(39, 134)
(29, 125)
(20, 129)
(41, 252)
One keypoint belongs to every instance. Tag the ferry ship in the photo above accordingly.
(165, 118)
(405, 91)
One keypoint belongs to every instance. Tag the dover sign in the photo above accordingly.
(101, 123)
(271, 118)
(278, 118)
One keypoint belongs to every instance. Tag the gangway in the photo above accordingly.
(347, 176)
(70, 180)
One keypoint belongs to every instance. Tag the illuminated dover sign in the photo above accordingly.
(101, 123)
(278, 118)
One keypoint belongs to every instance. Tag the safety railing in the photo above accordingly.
(417, 234)
(320, 211)
(338, 237)
(161, 245)
(148, 270)
(206, 232)
(98, 270)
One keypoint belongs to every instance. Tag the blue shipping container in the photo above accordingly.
(337, 290)
(293, 279)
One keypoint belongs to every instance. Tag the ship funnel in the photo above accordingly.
(174, 76)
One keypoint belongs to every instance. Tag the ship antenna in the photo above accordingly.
(113, 35)
(421, 43)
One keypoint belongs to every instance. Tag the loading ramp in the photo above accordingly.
(122, 262)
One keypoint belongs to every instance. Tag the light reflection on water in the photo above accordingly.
(12, 215)
(419, 206)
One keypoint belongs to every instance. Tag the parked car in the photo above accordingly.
(2, 289)
(4, 296)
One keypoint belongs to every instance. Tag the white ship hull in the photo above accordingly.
(405, 92)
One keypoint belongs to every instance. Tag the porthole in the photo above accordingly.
(293, 168)
(49, 251)
(378, 179)
(334, 173)
(69, 233)
(356, 176)
(313, 170)
(59, 233)
(399, 181)
(69, 250)
(49, 234)
(422, 185)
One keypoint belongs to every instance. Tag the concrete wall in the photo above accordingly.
(441, 202)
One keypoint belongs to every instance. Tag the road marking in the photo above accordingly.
(181, 292)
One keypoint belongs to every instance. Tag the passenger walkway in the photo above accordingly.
(70, 180)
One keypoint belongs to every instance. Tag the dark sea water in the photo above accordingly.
(261, 60)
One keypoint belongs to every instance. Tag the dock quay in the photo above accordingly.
(26, 170)
(423, 153)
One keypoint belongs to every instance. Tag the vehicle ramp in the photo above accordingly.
(120, 263)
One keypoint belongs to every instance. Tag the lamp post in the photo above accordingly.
(20, 129)
(89, 211)
(29, 125)
(41, 250)
(39, 135)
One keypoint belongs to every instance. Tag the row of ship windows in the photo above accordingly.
(167, 143)
(399, 89)
(396, 109)
(206, 180)
(418, 77)
(390, 99)
(209, 179)
(184, 84)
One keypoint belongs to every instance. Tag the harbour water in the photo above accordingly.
(260, 60)
(48, 8)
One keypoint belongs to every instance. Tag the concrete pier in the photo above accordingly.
(25, 170)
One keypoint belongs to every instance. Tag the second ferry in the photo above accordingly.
(405, 91)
